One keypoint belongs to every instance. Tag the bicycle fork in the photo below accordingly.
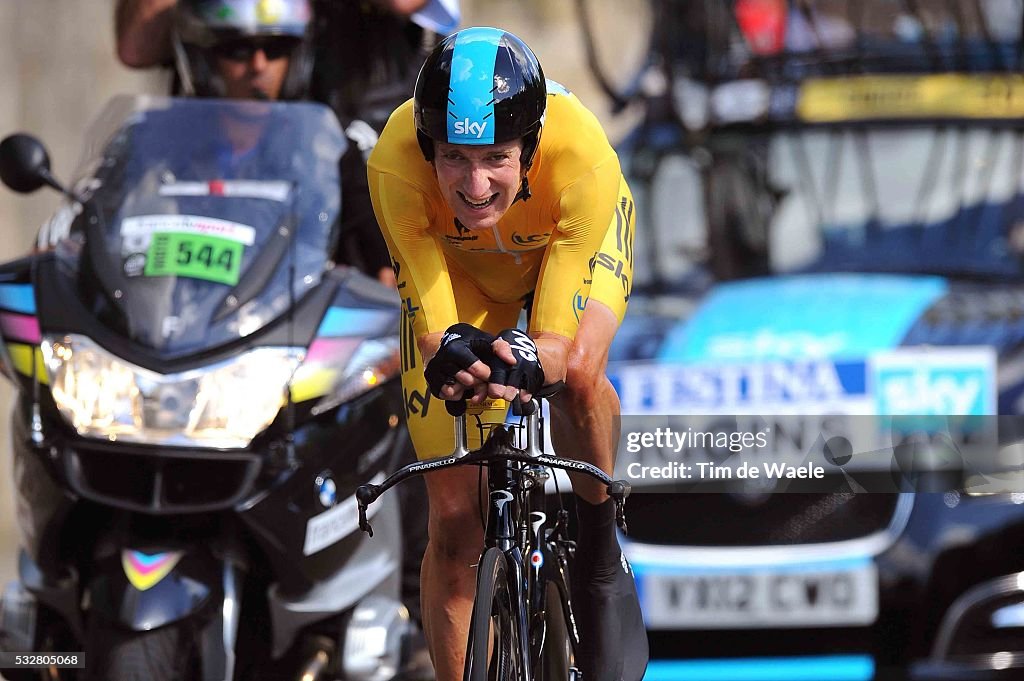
(502, 534)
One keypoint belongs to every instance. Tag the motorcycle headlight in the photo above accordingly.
(223, 405)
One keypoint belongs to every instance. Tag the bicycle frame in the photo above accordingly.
(512, 491)
(516, 527)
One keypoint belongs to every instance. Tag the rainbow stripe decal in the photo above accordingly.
(19, 329)
(21, 357)
(18, 298)
(325, 361)
(144, 571)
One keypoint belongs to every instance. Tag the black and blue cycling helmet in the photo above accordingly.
(480, 86)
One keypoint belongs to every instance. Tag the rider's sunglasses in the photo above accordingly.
(275, 47)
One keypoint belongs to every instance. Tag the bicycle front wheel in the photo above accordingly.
(493, 651)
(557, 651)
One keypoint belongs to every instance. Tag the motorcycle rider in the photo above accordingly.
(366, 54)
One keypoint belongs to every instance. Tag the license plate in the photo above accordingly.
(761, 598)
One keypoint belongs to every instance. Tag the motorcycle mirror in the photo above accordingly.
(25, 165)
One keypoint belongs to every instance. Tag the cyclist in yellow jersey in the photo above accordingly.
(497, 190)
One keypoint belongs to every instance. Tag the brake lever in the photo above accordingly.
(365, 495)
(620, 515)
(619, 490)
(364, 524)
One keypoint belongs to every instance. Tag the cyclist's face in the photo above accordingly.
(254, 69)
(479, 182)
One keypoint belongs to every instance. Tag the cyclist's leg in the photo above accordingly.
(585, 425)
(448, 576)
(613, 639)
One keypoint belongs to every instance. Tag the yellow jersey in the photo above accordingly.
(548, 245)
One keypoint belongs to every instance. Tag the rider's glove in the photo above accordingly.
(461, 346)
(527, 373)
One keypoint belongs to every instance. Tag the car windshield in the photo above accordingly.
(203, 219)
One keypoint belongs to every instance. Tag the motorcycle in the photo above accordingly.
(199, 393)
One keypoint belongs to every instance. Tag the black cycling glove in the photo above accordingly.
(461, 346)
(527, 373)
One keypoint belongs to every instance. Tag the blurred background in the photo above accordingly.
(60, 69)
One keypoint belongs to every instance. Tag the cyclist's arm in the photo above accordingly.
(143, 29)
(554, 355)
(424, 286)
(404, 214)
(585, 209)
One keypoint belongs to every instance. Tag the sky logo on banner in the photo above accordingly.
(957, 381)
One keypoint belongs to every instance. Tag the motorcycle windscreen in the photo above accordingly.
(206, 219)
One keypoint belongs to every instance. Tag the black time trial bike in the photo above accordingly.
(522, 626)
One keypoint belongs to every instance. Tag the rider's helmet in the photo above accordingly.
(202, 27)
(480, 86)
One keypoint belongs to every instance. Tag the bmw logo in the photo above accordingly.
(326, 490)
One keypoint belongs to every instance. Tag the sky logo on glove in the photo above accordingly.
(524, 344)
(449, 337)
